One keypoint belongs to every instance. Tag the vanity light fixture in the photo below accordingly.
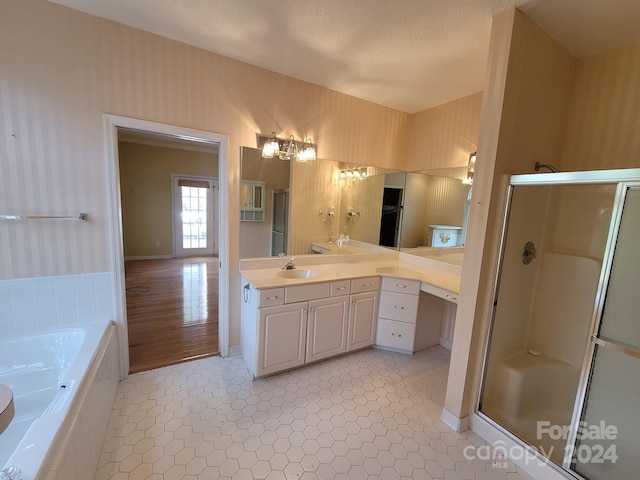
(471, 168)
(307, 152)
(358, 173)
(272, 147)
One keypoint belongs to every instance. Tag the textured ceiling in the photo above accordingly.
(406, 54)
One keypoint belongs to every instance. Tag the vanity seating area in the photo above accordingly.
(332, 305)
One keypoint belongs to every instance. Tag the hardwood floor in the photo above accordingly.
(172, 310)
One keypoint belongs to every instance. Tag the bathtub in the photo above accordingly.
(64, 384)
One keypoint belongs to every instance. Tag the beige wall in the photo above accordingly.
(365, 198)
(65, 69)
(145, 189)
(523, 115)
(444, 136)
(543, 105)
(603, 124)
(255, 237)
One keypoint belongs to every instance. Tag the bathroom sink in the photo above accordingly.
(296, 273)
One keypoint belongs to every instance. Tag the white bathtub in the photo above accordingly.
(56, 378)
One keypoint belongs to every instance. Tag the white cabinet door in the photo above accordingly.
(362, 320)
(327, 328)
(282, 335)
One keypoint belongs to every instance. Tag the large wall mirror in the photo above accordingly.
(301, 208)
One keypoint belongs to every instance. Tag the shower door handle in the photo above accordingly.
(618, 347)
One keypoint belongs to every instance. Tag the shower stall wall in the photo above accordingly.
(557, 244)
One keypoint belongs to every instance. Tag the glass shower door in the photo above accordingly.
(607, 439)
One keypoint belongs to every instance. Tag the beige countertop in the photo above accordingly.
(262, 278)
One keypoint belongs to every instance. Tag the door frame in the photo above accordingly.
(175, 202)
(111, 125)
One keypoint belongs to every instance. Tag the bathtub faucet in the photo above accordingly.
(11, 473)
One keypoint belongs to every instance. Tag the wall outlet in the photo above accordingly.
(157, 243)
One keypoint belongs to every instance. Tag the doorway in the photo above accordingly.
(196, 138)
(390, 220)
(194, 219)
(171, 273)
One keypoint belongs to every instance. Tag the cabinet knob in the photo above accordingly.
(398, 307)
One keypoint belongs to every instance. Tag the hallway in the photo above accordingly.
(172, 310)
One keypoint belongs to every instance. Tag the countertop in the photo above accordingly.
(262, 278)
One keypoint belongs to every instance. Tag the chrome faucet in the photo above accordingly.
(289, 265)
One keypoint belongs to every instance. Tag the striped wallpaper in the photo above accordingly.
(603, 127)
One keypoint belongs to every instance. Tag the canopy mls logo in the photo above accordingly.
(594, 444)
(585, 431)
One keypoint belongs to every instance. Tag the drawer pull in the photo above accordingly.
(272, 298)
(398, 307)
(341, 288)
(396, 334)
(451, 297)
(401, 285)
(366, 284)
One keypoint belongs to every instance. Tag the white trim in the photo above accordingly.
(531, 461)
(448, 344)
(149, 257)
(591, 176)
(457, 424)
(111, 124)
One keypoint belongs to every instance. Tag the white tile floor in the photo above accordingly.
(367, 415)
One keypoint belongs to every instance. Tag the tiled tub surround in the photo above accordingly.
(369, 415)
(34, 304)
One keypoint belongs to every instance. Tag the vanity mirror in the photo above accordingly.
(308, 205)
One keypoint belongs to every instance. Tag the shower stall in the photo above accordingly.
(560, 373)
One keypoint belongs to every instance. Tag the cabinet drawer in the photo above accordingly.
(302, 293)
(394, 334)
(440, 292)
(341, 287)
(400, 285)
(366, 284)
(270, 297)
(399, 306)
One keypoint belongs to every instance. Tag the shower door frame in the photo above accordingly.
(481, 423)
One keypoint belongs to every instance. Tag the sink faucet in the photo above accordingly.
(289, 265)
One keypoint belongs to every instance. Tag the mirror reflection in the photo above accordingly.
(315, 207)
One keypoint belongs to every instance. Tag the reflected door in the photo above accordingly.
(607, 444)
(195, 228)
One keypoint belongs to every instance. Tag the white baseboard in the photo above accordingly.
(446, 343)
(149, 257)
(234, 350)
(457, 424)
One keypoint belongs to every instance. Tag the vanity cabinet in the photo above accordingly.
(410, 319)
(399, 299)
(286, 327)
(363, 313)
(282, 333)
(327, 327)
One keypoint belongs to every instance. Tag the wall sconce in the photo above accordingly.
(273, 146)
(471, 168)
(358, 173)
